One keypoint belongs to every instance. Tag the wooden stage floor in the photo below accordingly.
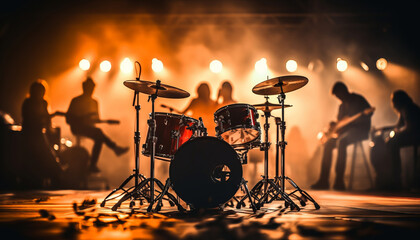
(71, 214)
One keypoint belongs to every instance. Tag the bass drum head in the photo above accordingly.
(206, 172)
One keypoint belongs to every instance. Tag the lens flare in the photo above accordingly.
(105, 66)
(291, 66)
(126, 66)
(341, 65)
(216, 66)
(157, 65)
(84, 64)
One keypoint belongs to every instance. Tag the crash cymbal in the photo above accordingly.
(274, 86)
(268, 107)
(149, 88)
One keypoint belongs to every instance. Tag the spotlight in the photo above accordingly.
(84, 64)
(291, 65)
(105, 66)
(157, 65)
(261, 66)
(364, 66)
(381, 63)
(216, 66)
(341, 65)
(126, 65)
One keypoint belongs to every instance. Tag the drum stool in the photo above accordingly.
(359, 145)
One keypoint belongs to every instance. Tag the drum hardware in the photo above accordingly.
(279, 86)
(267, 187)
(146, 188)
(137, 176)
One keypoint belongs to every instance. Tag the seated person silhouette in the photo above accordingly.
(407, 132)
(225, 95)
(82, 116)
(351, 104)
(39, 162)
(203, 106)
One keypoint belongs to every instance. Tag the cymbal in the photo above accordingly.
(272, 86)
(149, 88)
(268, 107)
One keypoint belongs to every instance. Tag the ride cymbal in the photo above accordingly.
(149, 88)
(275, 86)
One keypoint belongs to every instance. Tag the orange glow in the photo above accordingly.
(84, 64)
(105, 66)
(126, 66)
(291, 65)
(216, 66)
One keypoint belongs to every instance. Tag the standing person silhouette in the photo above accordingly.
(39, 163)
(351, 104)
(203, 106)
(225, 94)
(82, 116)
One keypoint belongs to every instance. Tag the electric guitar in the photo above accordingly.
(75, 119)
(335, 128)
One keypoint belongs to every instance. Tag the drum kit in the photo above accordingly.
(206, 171)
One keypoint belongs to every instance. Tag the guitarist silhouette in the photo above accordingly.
(342, 133)
(82, 116)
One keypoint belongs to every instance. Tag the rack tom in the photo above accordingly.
(237, 124)
(171, 132)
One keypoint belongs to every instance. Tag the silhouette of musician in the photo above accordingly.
(39, 163)
(225, 94)
(82, 116)
(407, 132)
(203, 106)
(351, 104)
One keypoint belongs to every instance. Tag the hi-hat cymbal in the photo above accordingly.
(274, 86)
(268, 107)
(149, 88)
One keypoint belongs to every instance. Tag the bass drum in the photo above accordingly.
(205, 172)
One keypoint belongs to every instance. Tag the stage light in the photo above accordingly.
(216, 66)
(126, 65)
(364, 66)
(341, 65)
(84, 64)
(157, 65)
(291, 65)
(105, 66)
(261, 66)
(381, 63)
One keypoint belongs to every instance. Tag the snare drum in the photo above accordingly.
(171, 133)
(237, 124)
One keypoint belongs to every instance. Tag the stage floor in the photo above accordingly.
(70, 214)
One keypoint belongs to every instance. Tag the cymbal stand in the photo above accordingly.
(280, 180)
(150, 182)
(266, 186)
(133, 195)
